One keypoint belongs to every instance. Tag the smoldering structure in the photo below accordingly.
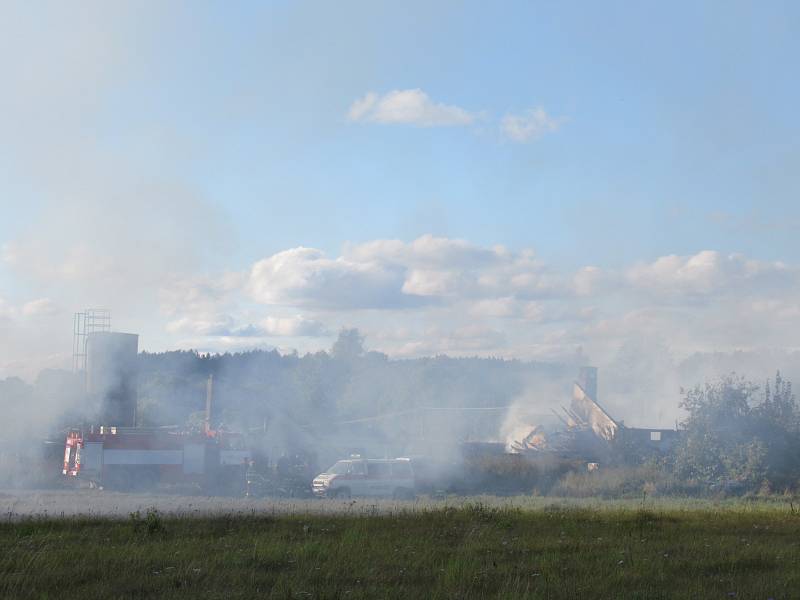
(589, 432)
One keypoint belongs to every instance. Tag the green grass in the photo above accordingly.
(475, 551)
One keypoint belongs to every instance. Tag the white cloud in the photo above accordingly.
(507, 307)
(432, 282)
(297, 326)
(411, 107)
(213, 325)
(387, 274)
(39, 307)
(426, 251)
(415, 107)
(224, 325)
(441, 294)
(305, 277)
(530, 125)
(588, 280)
(708, 272)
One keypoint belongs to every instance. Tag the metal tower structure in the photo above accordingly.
(84, 323)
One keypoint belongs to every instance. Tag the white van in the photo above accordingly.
(383, 478)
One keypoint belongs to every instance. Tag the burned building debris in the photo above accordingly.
(589, 432)
(660, 441)
(585, 411)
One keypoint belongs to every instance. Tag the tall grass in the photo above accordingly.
(626, 482)
(476, 550)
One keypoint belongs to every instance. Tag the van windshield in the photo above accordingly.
(340, 468)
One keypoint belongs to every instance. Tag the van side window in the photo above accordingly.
(357, 468)
(401, 470)
(378, 470)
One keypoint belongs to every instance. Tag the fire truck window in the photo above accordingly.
(378, 470)
(357, 468)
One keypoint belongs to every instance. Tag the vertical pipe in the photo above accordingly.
(209, 395)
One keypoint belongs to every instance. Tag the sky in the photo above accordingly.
(532, 180)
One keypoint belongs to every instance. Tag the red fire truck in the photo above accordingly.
(140, 458)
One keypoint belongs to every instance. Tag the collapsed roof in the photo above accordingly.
(587, 424)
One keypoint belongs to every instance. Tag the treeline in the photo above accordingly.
(348, 390)
(299, 397)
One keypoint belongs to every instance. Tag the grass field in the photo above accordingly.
(472, 551)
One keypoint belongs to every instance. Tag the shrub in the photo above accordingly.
(625, 482)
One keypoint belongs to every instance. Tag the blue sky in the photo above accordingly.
(177, 145)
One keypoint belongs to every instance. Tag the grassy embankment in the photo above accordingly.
(469, 552)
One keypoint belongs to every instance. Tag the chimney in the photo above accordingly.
(209, 396)
(587, 379)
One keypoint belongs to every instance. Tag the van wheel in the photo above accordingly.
(342, 493)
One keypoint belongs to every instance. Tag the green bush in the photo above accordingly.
(626, 482)
(511, 474)
(737, 436)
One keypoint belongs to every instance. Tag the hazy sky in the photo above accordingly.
(515, 179)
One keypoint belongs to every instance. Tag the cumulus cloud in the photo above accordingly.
(305, 276)
(708, 272)
(415, 107)
(410, 107)
(229, 326)
(432, 282)
(426, 251)
(428, 295)
(530, 125)
(387, 274)
(296, 326)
